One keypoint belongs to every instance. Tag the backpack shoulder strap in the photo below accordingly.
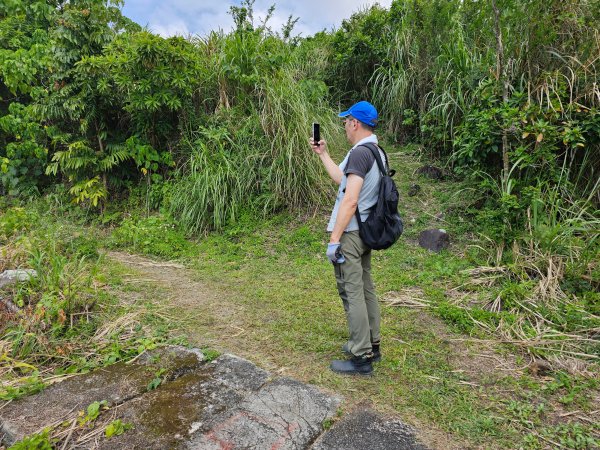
(384, 169)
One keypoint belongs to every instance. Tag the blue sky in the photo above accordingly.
(199, 17)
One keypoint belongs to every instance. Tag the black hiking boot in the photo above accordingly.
(374, 345)
(376, 351)
(356, 365)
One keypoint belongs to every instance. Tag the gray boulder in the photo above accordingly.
(365, 429)
(435, 173)
(434, 239)
(13, 276)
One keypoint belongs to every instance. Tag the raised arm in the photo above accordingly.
(332, 168)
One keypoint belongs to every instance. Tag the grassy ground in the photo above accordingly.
(264, 289)
(440, 370)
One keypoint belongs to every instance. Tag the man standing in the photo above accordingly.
(358, 177)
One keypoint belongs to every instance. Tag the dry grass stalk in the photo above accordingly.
(70, 433)
(458, 297)
(484, 270)
(530, 326)
(548, 287)
(572, 365)
(495, 305)
(128, 321)
(485, 276)
(410, 297)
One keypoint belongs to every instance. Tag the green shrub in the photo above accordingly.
(16, 220)
(84, 246)
(465, 320)
(155, 235)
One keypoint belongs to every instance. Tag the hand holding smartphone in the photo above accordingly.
(316, 133)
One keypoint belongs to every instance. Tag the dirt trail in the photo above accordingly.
(210, 317)
(214, 319)
(198, 302)
(218, 322)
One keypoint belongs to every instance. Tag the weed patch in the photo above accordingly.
(67, 320)
(154, 235)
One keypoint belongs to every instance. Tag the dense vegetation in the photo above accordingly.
(105, 123)
(211, 126)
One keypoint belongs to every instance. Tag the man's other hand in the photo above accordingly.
(334, 253)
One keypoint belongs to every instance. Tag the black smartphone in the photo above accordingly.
(316, 133)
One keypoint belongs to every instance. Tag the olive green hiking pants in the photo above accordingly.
(357, 291)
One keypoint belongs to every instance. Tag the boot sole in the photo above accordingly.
(362, 374)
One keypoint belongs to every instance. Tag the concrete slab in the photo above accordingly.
(116, 384)
(365, 429)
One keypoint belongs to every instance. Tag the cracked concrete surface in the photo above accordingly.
(117, 384)
(283, 414)
(228, 403)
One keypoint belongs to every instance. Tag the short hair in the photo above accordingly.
(362, 124)
(366, 126)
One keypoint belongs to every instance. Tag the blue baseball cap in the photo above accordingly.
(363, 111)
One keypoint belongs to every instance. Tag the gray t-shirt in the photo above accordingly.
(359, 161)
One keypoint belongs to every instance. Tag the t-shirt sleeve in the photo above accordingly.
(360, 162)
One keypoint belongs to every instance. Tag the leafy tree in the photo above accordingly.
(41, 45)
(24, 61)
(155, 80)
(23, 157)
(359, 46)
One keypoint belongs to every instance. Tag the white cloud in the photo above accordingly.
(182, 17)
(175, 28)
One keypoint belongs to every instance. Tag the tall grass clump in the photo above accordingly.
(216, 182)
(458, 69)
(252, 151)
(294, 175)
(395, 85)
(261, 162)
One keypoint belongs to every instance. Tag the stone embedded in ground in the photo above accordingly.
(414, 190)
(224, 404)
(172, 415)
(227, 403)
(364, 429)
(539, 368)
(13, 276)
(432, 172)
(283, 414)
(116, 384)
(434, 239)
